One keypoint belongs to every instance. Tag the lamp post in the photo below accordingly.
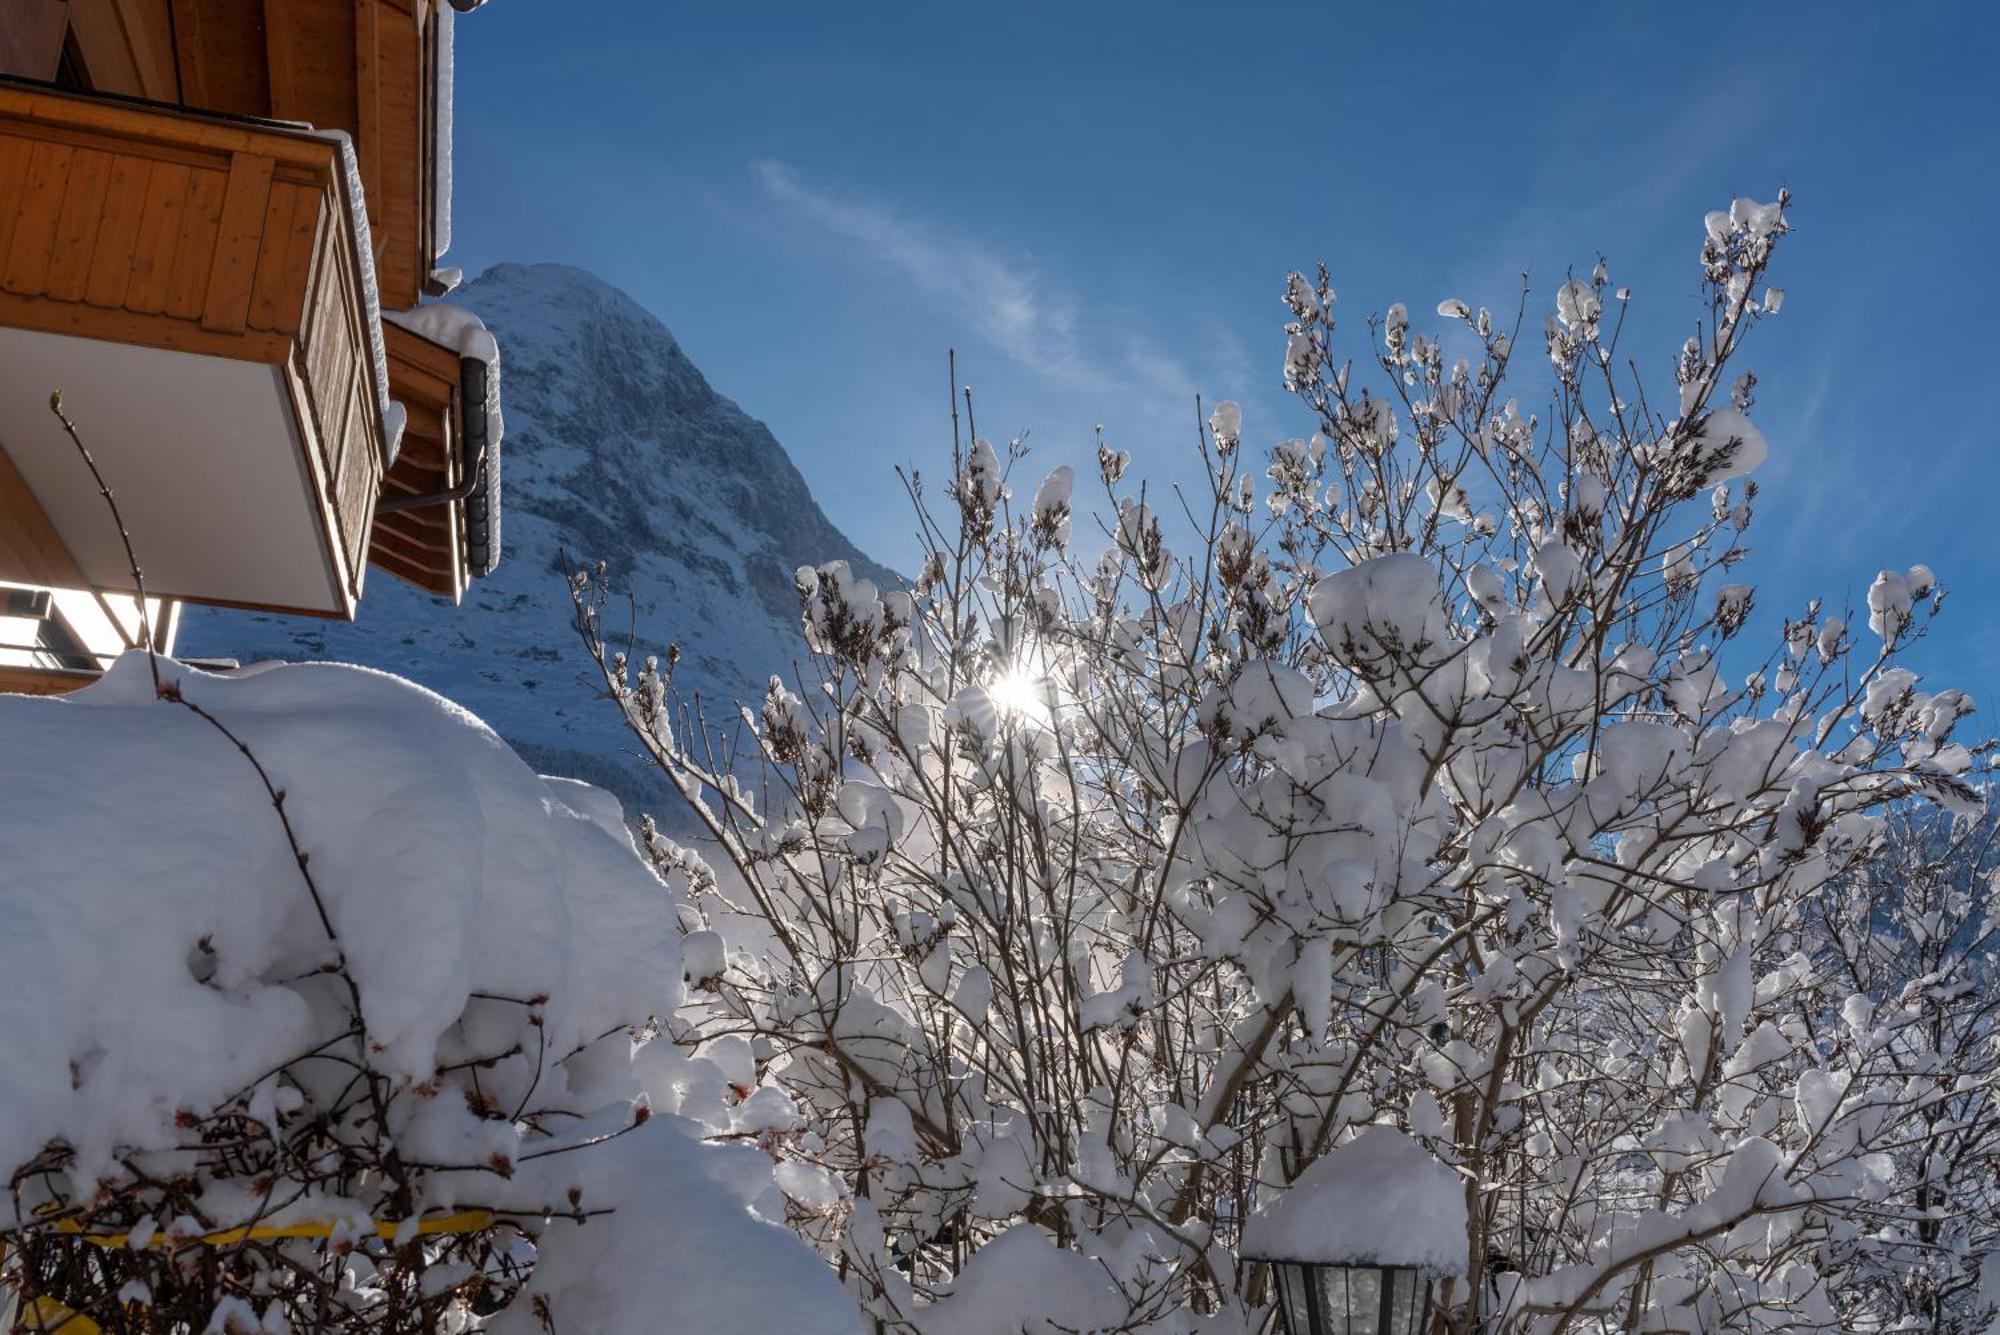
(1352, 1299)
(1357, 1241)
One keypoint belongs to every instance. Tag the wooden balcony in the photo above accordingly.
(199, 289)
(378, 69)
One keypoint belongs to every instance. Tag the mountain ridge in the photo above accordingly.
(617, 449)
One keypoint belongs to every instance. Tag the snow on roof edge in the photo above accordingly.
(461, 330)
(455, 327)
(444, 76)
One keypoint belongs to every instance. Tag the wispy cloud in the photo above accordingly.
(1036, 323)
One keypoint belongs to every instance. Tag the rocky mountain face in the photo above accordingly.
(616, 450)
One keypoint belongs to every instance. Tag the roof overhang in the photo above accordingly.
(438, 523)
(420, 522)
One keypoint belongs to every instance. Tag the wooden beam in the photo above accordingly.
(140, 329)
(280, 41)
(187, 29)
(149, 34)
(107, 58)
(39, 114)
(31, 37)
(368, 103)
(226, 305)
(127, 46)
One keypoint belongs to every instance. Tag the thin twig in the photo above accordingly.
(124, 533)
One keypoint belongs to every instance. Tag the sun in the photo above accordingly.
(1020, 693)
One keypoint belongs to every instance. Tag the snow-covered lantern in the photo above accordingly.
(1356, 1243)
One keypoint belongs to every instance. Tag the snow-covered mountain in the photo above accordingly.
(616, 449)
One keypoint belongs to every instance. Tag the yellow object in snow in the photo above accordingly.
(52, 1318)
(465, 1221)
(49, 1317)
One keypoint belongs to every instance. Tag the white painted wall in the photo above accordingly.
(201, 452)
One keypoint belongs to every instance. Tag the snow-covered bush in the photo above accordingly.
(1915, 933)
(320, 1011)
(1423, 772)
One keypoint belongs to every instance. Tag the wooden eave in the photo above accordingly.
(425, 545)
(146, 225)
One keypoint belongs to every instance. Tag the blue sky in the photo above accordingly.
(1096, 204)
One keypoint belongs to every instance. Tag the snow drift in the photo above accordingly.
(164, 958)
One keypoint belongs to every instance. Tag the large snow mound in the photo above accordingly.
(139, 839)
(161, 955)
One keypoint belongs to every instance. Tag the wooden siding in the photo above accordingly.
(222, 58)
(362, 66)
(196, 235)
(212, 229)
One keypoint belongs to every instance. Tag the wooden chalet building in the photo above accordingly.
(218, 222)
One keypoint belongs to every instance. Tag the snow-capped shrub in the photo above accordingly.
(1094, 891)
(314, 1004)
(1913, 937)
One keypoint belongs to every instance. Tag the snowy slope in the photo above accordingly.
(616, 449)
